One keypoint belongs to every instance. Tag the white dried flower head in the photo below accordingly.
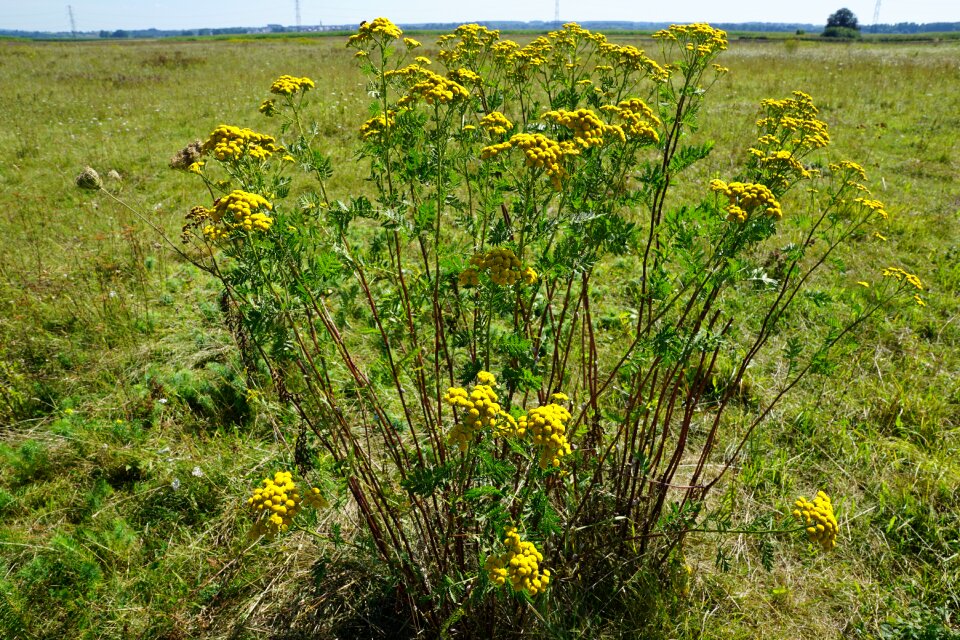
(89, 179)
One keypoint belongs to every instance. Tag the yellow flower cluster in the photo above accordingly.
(744, 197)
(268, 108)
(496, 123)
(638, 119)
(237, 210)
(874, 206)
(819, 519)
(407, 72)
(849, 167)
(378, 28)
(277, 503)
(411, 43)
(487, 378)
(788, 131)
(504, 52)
(548, 426)
(568, 36)
(481, 411)
(540, 152)
(781, 162)
(699, 38)
(242, 209)
(427, 85)
(793, 122)
(588, 130)
(288, 85)
(634, 59)
(465, 76)
(232, 143)
(520, 564)
(434, 88)
(502, 264)
(377, 125)
(471, 40)
(902, 276)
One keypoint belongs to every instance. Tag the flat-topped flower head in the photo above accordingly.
(587, 129)
(699, 39)
(380, 29)
(236, 212)
(496, 124)
(540, 152)
(466, 45)
(288, 85)
(632, 58)
(229, 143)
(743, 198)
(433, 88)
(639, 121)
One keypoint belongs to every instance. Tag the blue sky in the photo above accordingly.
(94, 15)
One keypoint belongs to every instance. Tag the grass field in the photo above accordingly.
(128, 439)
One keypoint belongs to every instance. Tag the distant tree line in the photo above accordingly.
(505, 25)
(913, 27)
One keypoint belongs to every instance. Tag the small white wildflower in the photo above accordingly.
(175, 484)
(162, 401)
(113, 294)
(196, 473)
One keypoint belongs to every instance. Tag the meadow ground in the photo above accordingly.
(128, 440)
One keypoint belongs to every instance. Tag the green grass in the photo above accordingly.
(119, 381)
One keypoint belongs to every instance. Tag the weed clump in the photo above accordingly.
(502, 192)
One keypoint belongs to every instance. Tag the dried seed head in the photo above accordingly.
(187, 156)
(89, 179)
(113, 174)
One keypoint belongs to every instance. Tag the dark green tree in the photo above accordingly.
(842, 24)
(843, 18)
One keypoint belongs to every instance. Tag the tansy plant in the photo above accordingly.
(445, 338)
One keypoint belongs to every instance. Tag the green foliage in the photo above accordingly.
(920, 624)
(841, 33)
